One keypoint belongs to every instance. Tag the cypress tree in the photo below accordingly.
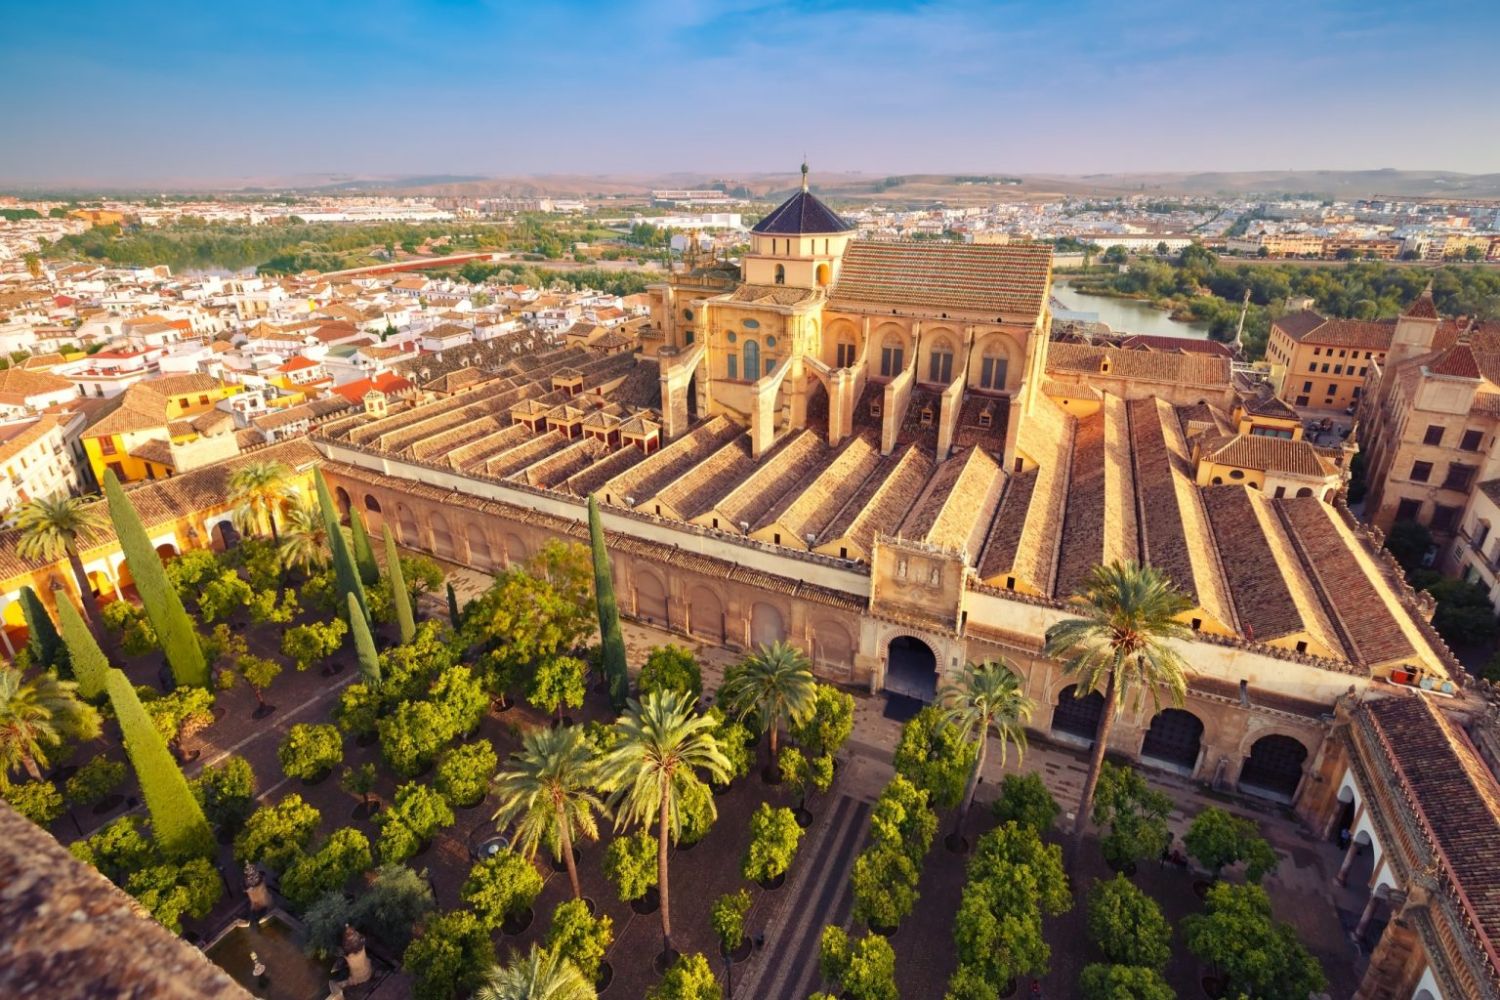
(90, 665)
(364, 645)
(177, 820)
(42, 641)
(344, 569)
(612, 643)
(400, 596)
(364, 555)
(179, 640)
(452, 605)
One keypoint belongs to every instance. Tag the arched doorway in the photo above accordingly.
(341, 498)
(911, 668)
(224, 536)
(16, 632)
(706, 614)
(1274, 767)
(100, 584)
(166, 552)
(1077, 717)
(480, 556)
(1174, 740)
(406, 527)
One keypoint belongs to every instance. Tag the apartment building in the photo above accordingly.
(36, 460)
(1325, 361)
(1430, 420)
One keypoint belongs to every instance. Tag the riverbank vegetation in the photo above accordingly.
(1197, 286)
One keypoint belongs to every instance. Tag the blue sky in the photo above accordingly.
(135, 92)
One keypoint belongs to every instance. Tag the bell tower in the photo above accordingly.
(799, 244)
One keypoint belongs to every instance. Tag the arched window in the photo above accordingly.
(752, 360)
(940, 363)
(992, 368)
(823, 273)
(780, 274)
(1304, 492)
(891, 355)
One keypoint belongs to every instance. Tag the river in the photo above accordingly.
(1126, 315)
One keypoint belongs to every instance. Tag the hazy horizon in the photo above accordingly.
(127, 94)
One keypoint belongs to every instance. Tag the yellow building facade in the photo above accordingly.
(161, 427)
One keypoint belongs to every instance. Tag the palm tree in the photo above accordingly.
(1129, 613)
(543, 975)
(257, 489)
(775, 684)
(663, 743)
(547, 791)
(50, 528)
(987, 699)
(36, 715)
(304, 543)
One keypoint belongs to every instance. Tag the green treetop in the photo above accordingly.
(43, 644)
(400, 596)
(177, 820)
(610, 637)
(88, 660)
(163, 607)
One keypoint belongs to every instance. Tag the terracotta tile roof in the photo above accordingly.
(1456, 801)
(781, 295)
(702, 485)
(1422, 306)
(807, 511)
(1260, 451)
(1176, 345)
(783, 472)
(956, 508)
(654, 473)
(1362, 613)
(1011, 279)
(1308, 327)
(881, 501)
(23, 382)
(16, 438)
(1089, 359)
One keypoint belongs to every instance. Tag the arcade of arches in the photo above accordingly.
(1212, 738)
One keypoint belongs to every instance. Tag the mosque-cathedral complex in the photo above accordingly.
(876, 451)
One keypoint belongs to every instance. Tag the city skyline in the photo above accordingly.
(153, 95)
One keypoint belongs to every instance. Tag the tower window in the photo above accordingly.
(780, 274)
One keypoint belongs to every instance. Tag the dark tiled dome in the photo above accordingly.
(800, 215)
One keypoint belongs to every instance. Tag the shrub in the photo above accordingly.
(323, 923)
(934, 756)
(408, 825)
(117, 850)
(1024, 800)
(774, 836)
(449, 957)
(696, 810)
(863, 970)
(463, 775)
(222, 595)
(170, 892)
(1123, 982)
(689, 978)
(1218, 838)
(358, 709)
(734, 740)
(501, 887)
(95, 781)
(1135, 813)
(38, 801)
(227, 792)
(314, 642)
(885, 886)
(395, 901)
(413, 735)
(275, 834)
(630, 863)
(558, 682)
(345, 854)
(182, 713)
(461, 698)
(1127, 925)
(728, 918)
(580, 937)
(825, 731)
(1258, 956)
(671, 668)
(134, 628)
(310, 751)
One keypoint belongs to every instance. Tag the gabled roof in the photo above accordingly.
(802, 214)
(1010, 279)
(1309, 327)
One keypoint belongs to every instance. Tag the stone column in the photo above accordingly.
(1343, 876)
(1365, 917)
